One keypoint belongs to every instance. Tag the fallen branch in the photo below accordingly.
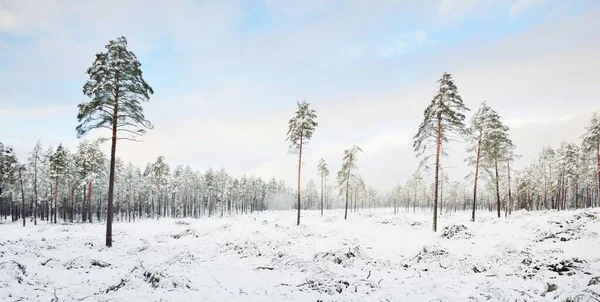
(369, 275)
(523, 293)
(46, 262)
(264, 268)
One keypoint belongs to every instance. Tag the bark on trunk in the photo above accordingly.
(56, 199)
(437, 170)
(111, 179)
(90, 194)
(35, 192)
(476, 175)
(22, 196)
(598, 163)
(347, 193)
(509, 192)
(299, 171)
(497, 187)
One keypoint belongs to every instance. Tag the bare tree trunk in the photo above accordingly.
(299, 170)
(509, 191)
(437, 170)
(347, 192)
(598, 163)
(111, 179)
(35, 192)
(22, 196)
(56, 199)
(497, 188)
(476, 175)
(90, 200)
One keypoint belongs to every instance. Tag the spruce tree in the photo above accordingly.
(117, 90)
(344, 175)
(442, 118)
(301, 128)
(323, 172)
(591, 143)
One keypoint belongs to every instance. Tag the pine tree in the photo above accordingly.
(344, 175)
(496, 149)
(477, 133)
(300, 131)
(323, 172)
(591, 143)
(443, 117)
(117, 90)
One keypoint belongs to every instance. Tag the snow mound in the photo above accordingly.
(344, 258)
(85, 262)
(11, 271)
(456, 232)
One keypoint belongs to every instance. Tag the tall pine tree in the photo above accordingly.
(344, 176)
(117, 90)
(478, 134)
(300, 130)
(442, 118)
(496, 148)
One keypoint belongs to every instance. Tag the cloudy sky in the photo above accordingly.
(227, 75)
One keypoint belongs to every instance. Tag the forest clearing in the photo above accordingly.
(375, 256)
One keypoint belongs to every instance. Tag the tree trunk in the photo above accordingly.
(111, 178)
(347, 192)
(56, 199)
(299, 170)
(497, 187)
(509, 192)
(158, 196)
(90, 194)
(598, 163)
(22, 197)
(476, 175)
(35, 192)
(437, 170)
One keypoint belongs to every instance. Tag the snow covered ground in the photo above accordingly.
(378, 256)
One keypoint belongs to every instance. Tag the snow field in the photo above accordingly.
(378, 256)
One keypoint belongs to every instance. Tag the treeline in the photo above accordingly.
(57, 184)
